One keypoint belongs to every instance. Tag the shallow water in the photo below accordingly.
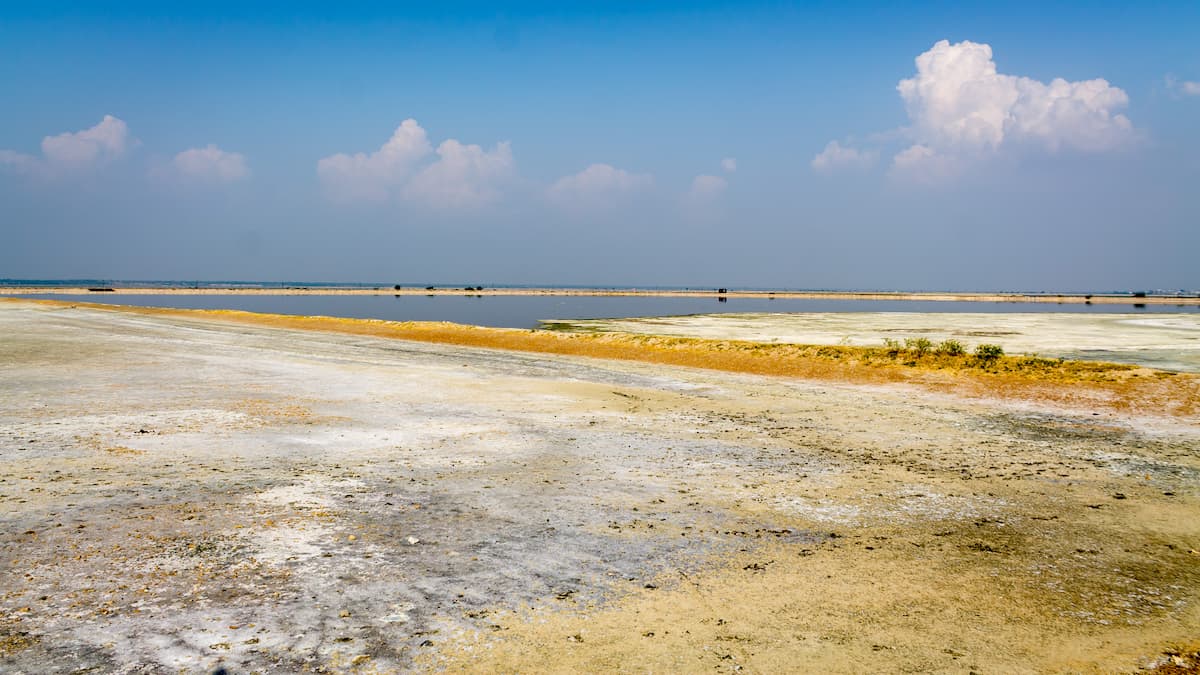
(526, 311)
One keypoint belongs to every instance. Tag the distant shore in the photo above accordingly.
(1066, 298)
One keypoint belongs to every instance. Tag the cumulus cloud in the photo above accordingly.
(463, 175)
(376, 176)
(962, 109)
(77, 150)
(835, 157)
(460, 176)
(706, 187)
(960, 106)
(1184, 87)
(210, 163)
(703, 201)
(17, 162)
(101, 143)
(597, 185)
(926, 164)
(729, 164)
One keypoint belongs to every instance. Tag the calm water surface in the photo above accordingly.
(516, 311)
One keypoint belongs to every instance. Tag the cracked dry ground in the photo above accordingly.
(179, 495)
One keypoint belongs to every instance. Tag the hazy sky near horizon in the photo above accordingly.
(961, 146)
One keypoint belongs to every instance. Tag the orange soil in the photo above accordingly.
(1076, 384)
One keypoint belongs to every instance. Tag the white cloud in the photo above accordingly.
(1185, 87)
(1074, 115)
(460, 176)
(597, 185)
(99, 144)
(835, 157)
(375, 176)
(17, 162)
(925, 164)
(211, 163)
(703, 201)
(961, 107)
(705, 187)
(729, 164)
(463, 176)
(78, 150)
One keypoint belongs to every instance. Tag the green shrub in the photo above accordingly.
(918, 346)
(893, 346)
(988, 353)
(951, 348)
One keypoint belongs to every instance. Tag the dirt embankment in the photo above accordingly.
(1081, 384)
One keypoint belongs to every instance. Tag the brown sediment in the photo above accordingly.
(1100, 385)
(770, 610)
(1067, 298)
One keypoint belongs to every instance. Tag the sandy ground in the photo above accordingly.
(1188, 300)
(1165, 341)
(181, 494)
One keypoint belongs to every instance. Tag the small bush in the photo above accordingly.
(918, 346)
(951, 348)
(988, 353)
(893, 346)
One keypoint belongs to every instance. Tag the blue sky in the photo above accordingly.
(605, 143)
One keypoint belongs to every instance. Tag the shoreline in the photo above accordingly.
(1064, 298)
(1096, 384)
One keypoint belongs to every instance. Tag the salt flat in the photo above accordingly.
(1166, 341)
(180, 494)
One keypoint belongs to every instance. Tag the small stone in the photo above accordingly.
(413, 541)
(345, 613)
(351, 538)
